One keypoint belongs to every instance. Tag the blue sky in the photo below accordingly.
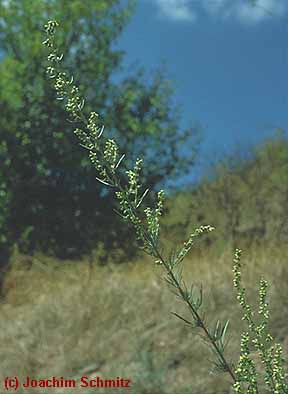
(228, 61)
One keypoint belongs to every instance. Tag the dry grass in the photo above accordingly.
(59, 318)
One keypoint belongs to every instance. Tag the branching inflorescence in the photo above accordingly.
(105, 156)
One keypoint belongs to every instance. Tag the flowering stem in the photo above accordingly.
(105, 157)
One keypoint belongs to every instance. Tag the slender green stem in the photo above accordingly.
(198, 319)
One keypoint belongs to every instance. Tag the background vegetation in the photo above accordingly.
(244, 196)
(50, 200)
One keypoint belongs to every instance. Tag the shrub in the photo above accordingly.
(105, 156)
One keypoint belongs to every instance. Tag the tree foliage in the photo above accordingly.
(50, 199)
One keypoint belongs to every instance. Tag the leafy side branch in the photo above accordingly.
(257, 338)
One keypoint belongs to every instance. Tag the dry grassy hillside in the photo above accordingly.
(64, 319)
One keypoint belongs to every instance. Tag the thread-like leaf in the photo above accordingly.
(119, 161)
(142, 198)
(104, 182)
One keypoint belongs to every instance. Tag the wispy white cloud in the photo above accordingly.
(249, 11)
(261, 10)
(176, 10)
(215, 7)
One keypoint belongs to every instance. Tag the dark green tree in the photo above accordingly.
(52, 201)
